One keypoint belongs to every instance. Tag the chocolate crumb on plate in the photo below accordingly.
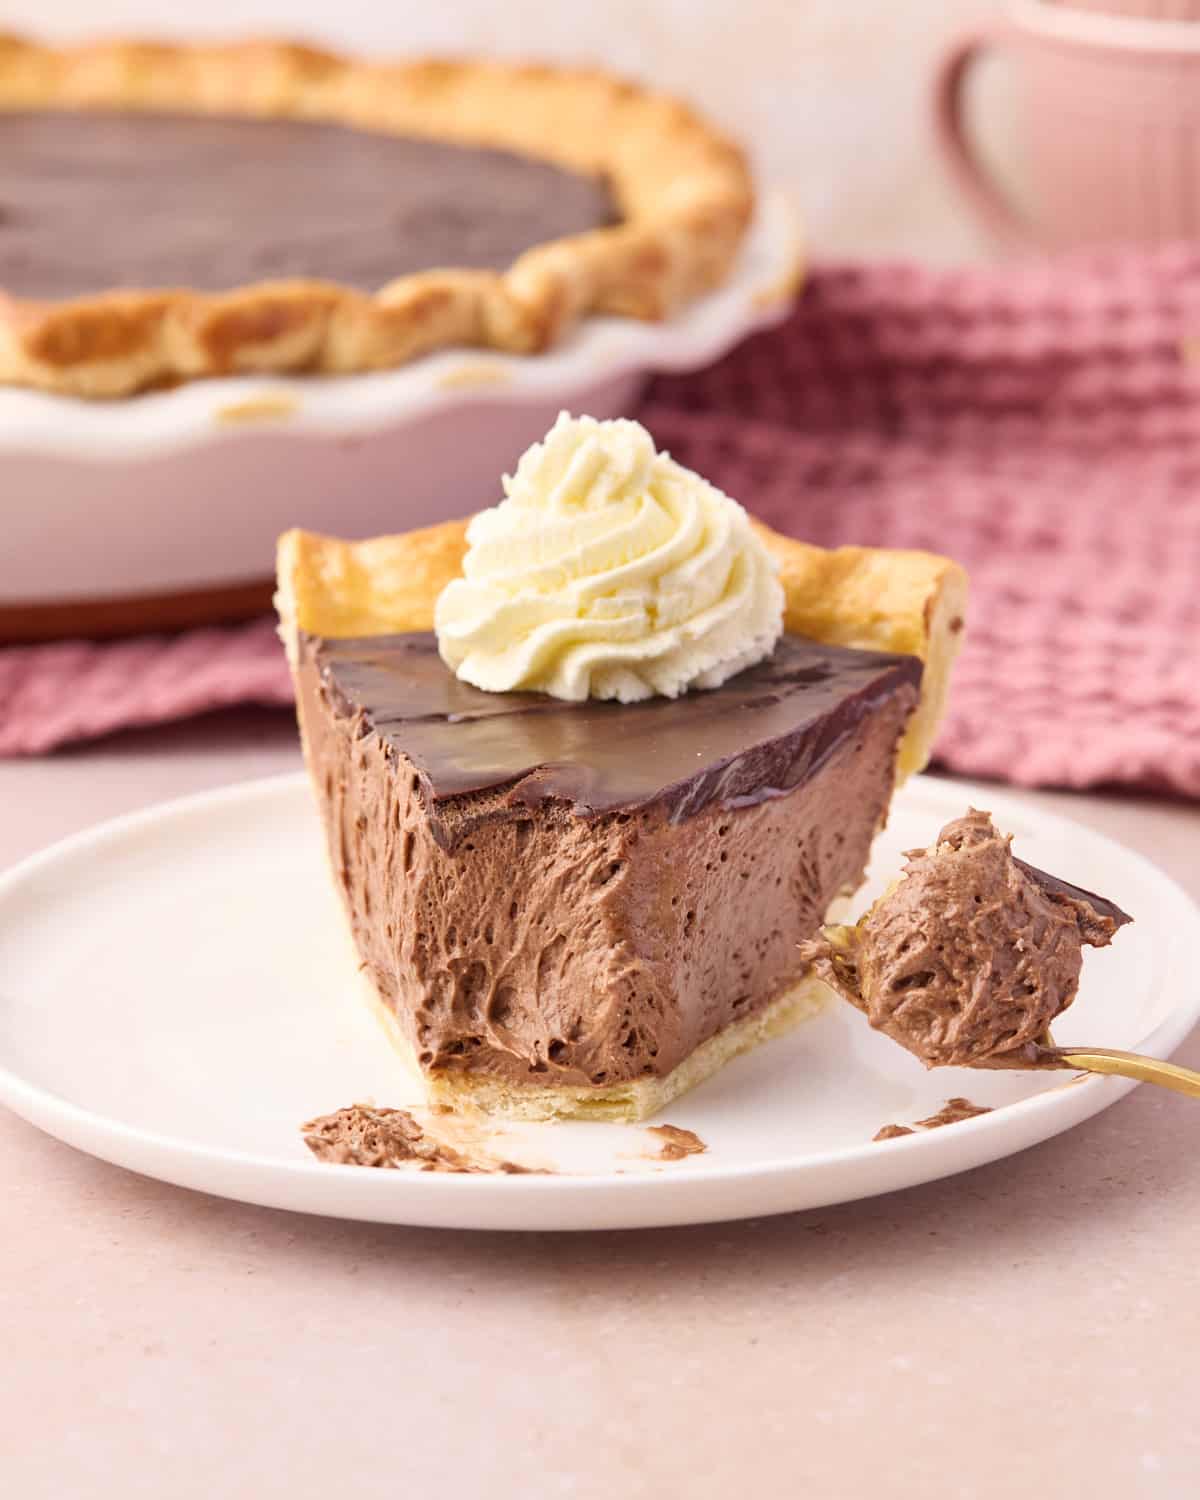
(951, 1113)
(362, 1136)
(676, 1142)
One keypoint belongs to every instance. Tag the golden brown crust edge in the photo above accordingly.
(684, 190)
(870, 597)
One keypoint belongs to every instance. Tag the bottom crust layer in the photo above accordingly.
(638, 1099)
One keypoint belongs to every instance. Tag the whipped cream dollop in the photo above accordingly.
(608, 571)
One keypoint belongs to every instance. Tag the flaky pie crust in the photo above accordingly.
(684, 193)
(870, 597)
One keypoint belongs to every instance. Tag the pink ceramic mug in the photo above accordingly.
(1148, 10)
(1111, 125)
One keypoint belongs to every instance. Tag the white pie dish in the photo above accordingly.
(188, 489)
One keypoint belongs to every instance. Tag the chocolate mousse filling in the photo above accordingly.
(98, 200)
(560, 894)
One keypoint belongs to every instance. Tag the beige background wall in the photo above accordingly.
(830, 93)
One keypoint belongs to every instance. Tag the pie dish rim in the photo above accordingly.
(684, 190)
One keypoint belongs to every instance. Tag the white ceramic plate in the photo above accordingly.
(177, 997)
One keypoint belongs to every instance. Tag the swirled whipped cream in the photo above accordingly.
(608, 571)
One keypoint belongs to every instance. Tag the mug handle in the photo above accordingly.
(949, 93)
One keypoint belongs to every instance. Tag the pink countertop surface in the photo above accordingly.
(1027, 1328)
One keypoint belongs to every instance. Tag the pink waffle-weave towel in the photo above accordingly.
(1040, 424)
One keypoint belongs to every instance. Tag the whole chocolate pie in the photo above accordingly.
(172, 212)
(581, 830)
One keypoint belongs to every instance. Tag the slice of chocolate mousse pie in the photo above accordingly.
(593, 764)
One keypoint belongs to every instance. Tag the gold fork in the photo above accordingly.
(1123, 1064)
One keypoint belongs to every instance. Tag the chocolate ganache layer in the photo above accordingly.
(557, 894)
(96, 200)
(763, 733)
